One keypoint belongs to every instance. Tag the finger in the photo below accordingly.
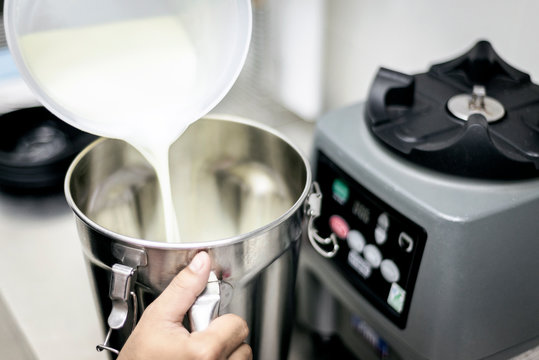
(244, 352)
(181, 293)
(226, 333)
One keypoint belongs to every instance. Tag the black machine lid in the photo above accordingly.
(473, 116)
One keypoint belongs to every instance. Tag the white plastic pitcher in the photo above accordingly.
(143, 61)
(137, 70)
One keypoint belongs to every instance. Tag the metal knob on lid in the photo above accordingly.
(463, 106)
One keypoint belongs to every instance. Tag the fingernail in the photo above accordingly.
(197, 263)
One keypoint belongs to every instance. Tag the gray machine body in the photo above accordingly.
(476, 293)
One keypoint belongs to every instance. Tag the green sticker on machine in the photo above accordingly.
(340, 190)
(396, 297)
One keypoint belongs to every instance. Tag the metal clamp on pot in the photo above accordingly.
(313, 207)
(121, 288)
(122, 283)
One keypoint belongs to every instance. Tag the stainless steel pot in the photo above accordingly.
(241, 192)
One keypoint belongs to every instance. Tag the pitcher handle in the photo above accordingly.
(313, 207)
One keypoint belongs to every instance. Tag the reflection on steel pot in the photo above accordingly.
(240, 192)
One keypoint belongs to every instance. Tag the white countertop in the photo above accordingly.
(44, 282)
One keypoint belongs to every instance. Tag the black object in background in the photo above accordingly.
(36, 149)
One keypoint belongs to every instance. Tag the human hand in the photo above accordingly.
(161, 335)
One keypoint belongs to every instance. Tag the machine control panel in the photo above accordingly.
(380, 248)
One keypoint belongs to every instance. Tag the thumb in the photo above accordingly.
(181, 293)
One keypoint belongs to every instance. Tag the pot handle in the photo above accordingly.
(206, 306)
(313, 207)
(123, 278)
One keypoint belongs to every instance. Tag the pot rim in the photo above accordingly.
(193, 245)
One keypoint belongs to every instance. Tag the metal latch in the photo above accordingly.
(313, 207)
(121, 289)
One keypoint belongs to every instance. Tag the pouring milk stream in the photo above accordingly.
(141, 80)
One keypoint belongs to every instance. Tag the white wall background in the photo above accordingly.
(404, 35)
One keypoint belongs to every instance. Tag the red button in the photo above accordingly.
(339, 226)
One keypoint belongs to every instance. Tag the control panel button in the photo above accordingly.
(380, 235)
(383, 221)
(406, 242)
(339, 226)
(373, 255)
(359, 264)
(390, 271)
(341, 192)
(355, 240)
